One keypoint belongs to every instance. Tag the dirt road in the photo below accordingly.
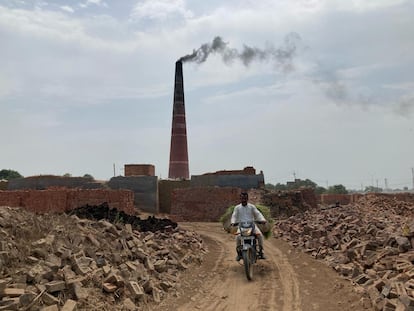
(288, 280)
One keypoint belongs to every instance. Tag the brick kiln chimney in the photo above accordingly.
(178, 150)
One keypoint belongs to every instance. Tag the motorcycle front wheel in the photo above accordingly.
(248, 265)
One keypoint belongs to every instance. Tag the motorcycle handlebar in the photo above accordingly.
(257, 222)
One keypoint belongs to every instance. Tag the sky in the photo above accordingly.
(310, 89)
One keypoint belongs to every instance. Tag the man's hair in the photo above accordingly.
(244, 193)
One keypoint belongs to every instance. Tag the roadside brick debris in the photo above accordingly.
(371, 243)
(93, 259)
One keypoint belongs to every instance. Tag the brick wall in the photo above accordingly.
(139, 170)
(61, 200)
(202, 204)
(248, 170)
(165, 188)
(246, 181)
(210, 203)
(355, 197)
(46, 181)
(309, 197)
(145, 189)
(290, 202)
(331, 199)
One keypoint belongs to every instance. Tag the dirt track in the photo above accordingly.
(287, 280)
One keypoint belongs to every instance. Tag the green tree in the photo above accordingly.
(67, 175)
(373, 189)
(89, 176)
(337, 189)
(320, 190)
(280, 187)
(298, 183)
(308, 183)
(9, 174)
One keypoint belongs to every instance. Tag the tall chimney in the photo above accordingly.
(178, 150)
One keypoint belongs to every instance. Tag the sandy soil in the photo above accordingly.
(288, 280)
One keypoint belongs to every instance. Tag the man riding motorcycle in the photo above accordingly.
(247, 212)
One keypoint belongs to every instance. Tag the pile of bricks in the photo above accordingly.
(60, 262)
(289, 202)
(370, 242)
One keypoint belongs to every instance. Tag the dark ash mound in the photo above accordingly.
(103, 211)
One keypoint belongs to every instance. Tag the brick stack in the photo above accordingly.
(64, 199)
(202, 204)
(59, 262)
(371, 243)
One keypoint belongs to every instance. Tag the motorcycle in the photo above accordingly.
(249, 247)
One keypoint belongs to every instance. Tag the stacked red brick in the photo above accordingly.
(371, 243)
(202, 204)
(61, 200)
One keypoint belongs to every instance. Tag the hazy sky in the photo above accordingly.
(318, 89)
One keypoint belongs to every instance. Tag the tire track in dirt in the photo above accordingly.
(290, 282)
(274, 285)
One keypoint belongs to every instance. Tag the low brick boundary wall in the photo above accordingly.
(331, 199)
(62, 200)
(202, 204)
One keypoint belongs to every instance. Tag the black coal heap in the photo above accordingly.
(103, 211)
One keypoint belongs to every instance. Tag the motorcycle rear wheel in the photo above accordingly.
(248, 265)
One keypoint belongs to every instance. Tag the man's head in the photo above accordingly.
(243, 198)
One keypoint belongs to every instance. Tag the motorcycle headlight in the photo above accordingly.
(246, 231)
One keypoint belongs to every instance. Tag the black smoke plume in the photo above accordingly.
(282, 56)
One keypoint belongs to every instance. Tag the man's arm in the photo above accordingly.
(258, 216)
(234, 216)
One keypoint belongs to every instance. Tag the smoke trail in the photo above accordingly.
(282, 56)
(405, 107)
(330, 83)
